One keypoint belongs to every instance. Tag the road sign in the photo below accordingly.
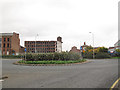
(81, 48)
(25, 49)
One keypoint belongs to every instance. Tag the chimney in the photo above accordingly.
(84, 43)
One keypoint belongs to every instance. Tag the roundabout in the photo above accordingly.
(50, 63)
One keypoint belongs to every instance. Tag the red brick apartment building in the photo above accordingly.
(9, 43)
(44, 46)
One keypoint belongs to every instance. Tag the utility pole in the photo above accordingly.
(35, 44)
(81, 52)
(25, 53)
(93, 44)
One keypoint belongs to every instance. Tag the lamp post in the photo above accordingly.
(81, 52)
(25, 53)
(93, 44)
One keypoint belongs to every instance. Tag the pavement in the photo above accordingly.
(100, 73)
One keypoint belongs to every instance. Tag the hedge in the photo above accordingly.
(51, 62)
(11, 56)
(99, 55)
(64, 56)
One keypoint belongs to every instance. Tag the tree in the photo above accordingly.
(102, 49)
(117, 52)
(88, 48)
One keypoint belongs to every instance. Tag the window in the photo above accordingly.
(8, 45)
(4, 39)
(0, 39)
(4, 45)
(8, 39)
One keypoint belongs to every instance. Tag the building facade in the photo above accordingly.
(75, 50)
(44, 46)
(117, 45)
(10, 43)
(111, 49)
(84, 47)
(22, 50)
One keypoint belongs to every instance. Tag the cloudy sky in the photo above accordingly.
(70, 19)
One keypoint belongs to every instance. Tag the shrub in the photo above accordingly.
(56, 56)
(64, 56)
(50, 62)
(11, 56)
(29, 57)
(50, 56)
(88, 55)
(101, 55)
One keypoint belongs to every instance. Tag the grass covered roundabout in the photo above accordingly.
(51, 58)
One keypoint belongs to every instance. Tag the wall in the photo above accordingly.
(15, 43)
(59, 46)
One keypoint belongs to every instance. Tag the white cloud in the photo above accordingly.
(71, 19)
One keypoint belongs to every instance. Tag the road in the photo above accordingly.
(96, 74)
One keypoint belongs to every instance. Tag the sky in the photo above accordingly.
(70, 19)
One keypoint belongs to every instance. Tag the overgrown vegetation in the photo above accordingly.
(100, 53)
(63, 56)
(51, 62)
(12, 56)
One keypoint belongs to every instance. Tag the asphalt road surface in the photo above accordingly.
(96, 74)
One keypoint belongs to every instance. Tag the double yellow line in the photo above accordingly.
(114, 84)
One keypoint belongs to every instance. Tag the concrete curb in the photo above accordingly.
(16, 63)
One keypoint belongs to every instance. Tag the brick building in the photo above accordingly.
(75, 50)
(22, 50)
(10, 43)
(84, 46)
(44, 46)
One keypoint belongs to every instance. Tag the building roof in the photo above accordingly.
(7, 34)
(40, 41)
(111, 47)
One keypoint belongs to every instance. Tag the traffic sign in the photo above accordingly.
(81, 48)
(25, 49)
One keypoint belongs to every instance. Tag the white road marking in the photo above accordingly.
(1, 80)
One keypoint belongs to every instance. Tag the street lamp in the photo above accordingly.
(35, 43)
(93, 44)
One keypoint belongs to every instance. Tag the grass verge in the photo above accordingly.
(115, 57)
(51, 62)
